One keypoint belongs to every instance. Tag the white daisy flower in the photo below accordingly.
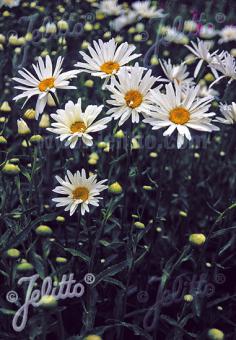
(190, 26)
(145, 10)
(205, 91)
(130, 94)
(9, 3)
(46, 81)
(201, 51)
(229, 113)
(228, 33)
(106, 58)
(182, 111)
(207, 32)
(224, 63)
(78, 190)
(124, 20)
(177, 37)
(72, 123)
(176, 73)
(110, 7)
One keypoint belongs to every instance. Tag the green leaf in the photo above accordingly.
(77, 253)
(37, 261)
(110, 271)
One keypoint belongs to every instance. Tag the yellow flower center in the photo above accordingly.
(46, 84)
(109, 67)
(179, 115)
(78, 127)
(81, 193)
(133, 98)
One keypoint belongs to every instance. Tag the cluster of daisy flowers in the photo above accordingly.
(135, 93)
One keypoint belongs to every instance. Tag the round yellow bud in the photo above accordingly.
(13, 253)
(3, 140)
(92, 337)
(11, 169)
(183, 213)
(29, 114)
(131, 30)
(100, 15)
(154, 60)
(23, 128)
(85, 45)
(139, 225)
(61, 260)
(92, 161)
(147, 187)
(28, 36)
(138, 37)
(43, 230)
(60, 219)
(119, 134)
(197, 239)
(115, 188)
(88, 26)
(2, 39)
(35, 139)
(209, 77)
(107, 34)
(153, 154)
(188, 298)
(5, 107)
(102, 145)
(6, 14)
(89, 83)
(215, 334)
(62, 25)
(44, 121)
(48, 302)
(24, 266)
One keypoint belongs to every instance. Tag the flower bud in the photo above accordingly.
(13, 253)
(89, 83)
(102, 145)
(48, 302)
(60, 219)
(62, 25)
(115, 188)
(209, 77)
(2, 39)
(29, 114)
(88, 26)
(139, 225)
(154, 60)
(44, 121)
(24, 267)
(92, 161)
(51, 28)
(119, 134)
(28, 36)
(215, 334)
(147, 187)
(23, 128)
(11, 169)
(5, 107)
(100, 15)
(183, 213)
(188, 298)
(61, 260)
(3, 140)
(44, 231)
(92, 337)
(35, 139)
(197, 239)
